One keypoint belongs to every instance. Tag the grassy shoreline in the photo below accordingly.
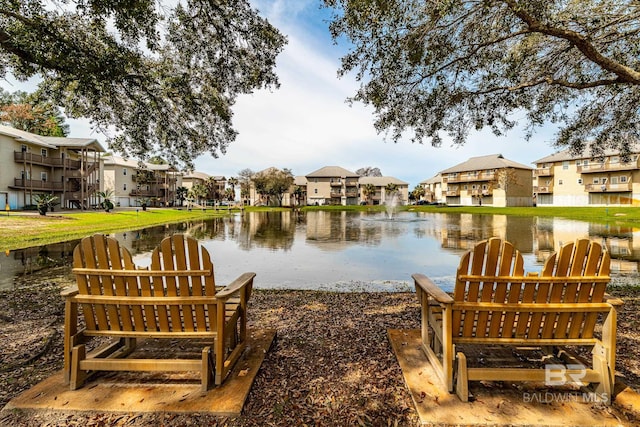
(24, 229)
(20, 230)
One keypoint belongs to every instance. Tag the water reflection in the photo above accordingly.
(309, 250)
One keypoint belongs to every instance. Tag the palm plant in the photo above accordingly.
(106, 197)
(368, 191)
(44, 202)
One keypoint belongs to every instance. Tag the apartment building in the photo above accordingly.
(488, 180)
(134, 183)
(30, 164)
(332, 185)
(563, 179)
(382, 195)
(433, 189)
(189, 180)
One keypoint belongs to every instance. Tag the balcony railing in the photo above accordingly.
(543, 189)
(37, 184)
(336, 194)
(142, 193)
(607, 166)
(453, 193)
(481, 176)
(603, 188)
(543, 172)
(22, 156)
(335, 183)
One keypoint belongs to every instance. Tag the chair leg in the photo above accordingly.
(205, 370)
(604, 389)
(462, 378)
(78, 376)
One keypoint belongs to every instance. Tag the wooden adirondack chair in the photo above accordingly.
(175, 298)
(495, 303)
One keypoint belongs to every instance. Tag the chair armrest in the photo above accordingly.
(431, 288)
(616, 302)
(69, 292)
(243, 280)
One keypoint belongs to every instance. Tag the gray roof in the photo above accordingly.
(196, 175)
(492, 161)
(332, 171)
(433, 180)
(300, 180)
(585, 154)
(52, 142)
(381, 181)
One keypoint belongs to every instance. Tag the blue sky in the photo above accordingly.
(307, 124)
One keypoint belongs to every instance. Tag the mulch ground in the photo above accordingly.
(331, 364)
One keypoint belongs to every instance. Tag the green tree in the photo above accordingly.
(198, 193)
(244, 178)
(166, 92)
(181, 194)
(468, 65)
(273, 183)
(418, 192)
(368, 191)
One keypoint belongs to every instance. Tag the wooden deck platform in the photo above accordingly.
(520, 404)
(152, 392)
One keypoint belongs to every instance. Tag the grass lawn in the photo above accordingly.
(18, 230)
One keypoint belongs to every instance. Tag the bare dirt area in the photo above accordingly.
(331, 364)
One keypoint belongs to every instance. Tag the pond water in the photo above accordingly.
(346, 250)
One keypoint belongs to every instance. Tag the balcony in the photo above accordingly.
(351, 183)
(543, 189)
(543, 172)
(38, 159)
(351, 193)
(142, 193)
(453, 193)
(336, 194)
(36, 184)
(464, 177)
(607, 167)
(603, 188)
(336, 183)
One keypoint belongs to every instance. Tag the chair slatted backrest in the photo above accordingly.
(474, 283)
(581, 270)
(105, 253)
(493, 272)
(182, 253)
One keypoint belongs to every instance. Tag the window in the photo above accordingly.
(623, 179)
(579, 181)
(559, 182)
(315, 191)
(124, 187)
(25, 175)
(614, 179)
(23, 148)
(615, 159)
(565, 165)
(596, 180)
(43, 176)
(484, 187)
(124, 171)
(43, 152)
